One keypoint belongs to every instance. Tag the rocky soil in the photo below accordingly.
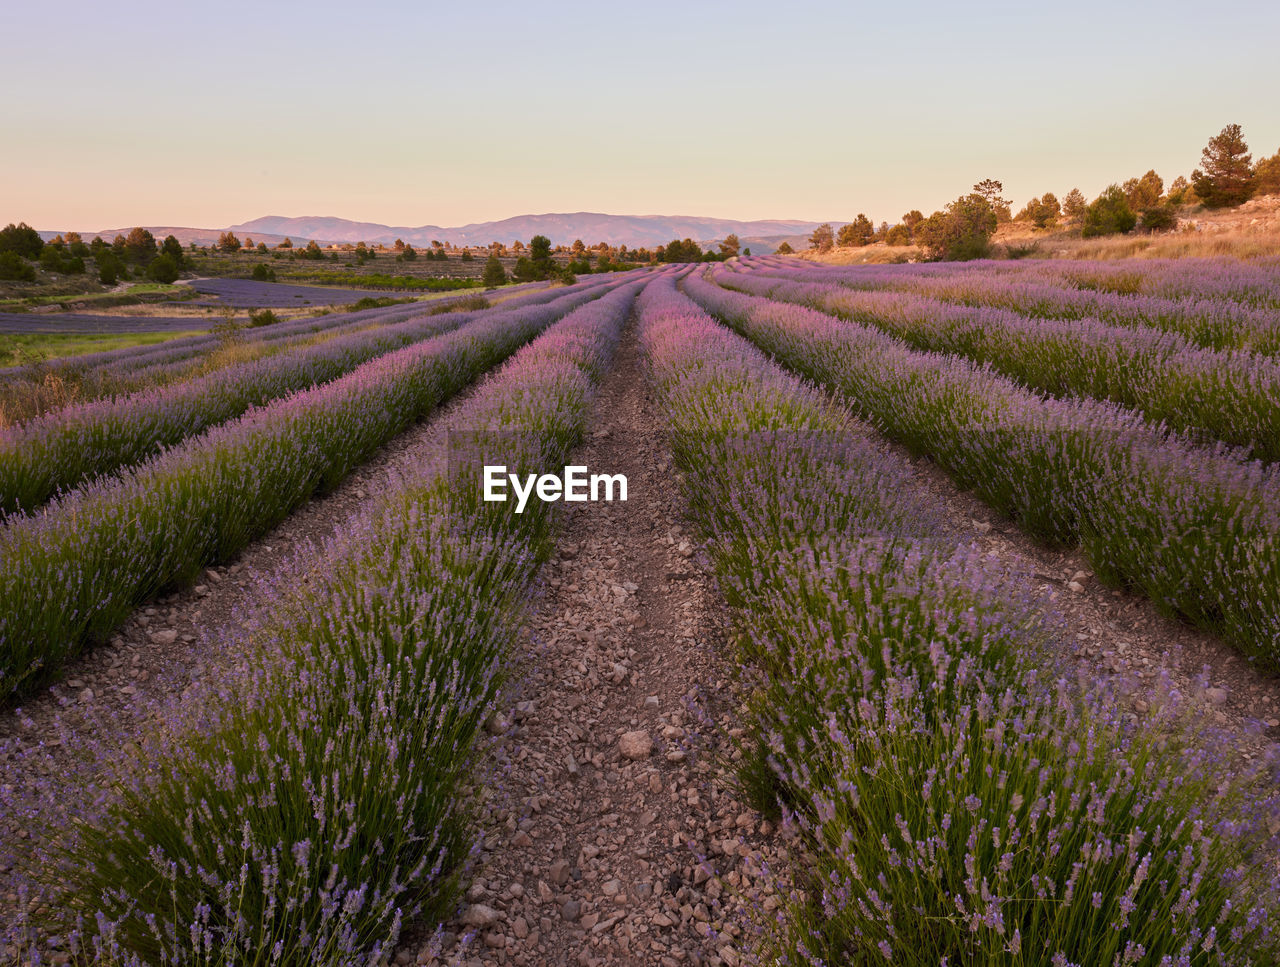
(616, 839)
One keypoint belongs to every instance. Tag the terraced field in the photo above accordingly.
(939, 625)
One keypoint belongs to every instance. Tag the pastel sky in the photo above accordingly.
(190, 114)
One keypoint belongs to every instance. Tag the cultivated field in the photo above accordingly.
(940, 625)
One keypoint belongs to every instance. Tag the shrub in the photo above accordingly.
(1108, 214)
(494, 274)
(13, 268)
(524, 270)
(960, 233)
(896, 236)
(1160, 218)
(264, 273)
(110, 268)
(163, 269)
(262, 317)
(857, 233)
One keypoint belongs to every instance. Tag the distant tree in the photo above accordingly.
(466, 255)
(1158, 218)
(524, 270)
(990, 189)
(784, 249)
(163, 269)
(822, 238)
(140, 246)
(248, 242)
(1227, 175)
(51, 258)
(227, 242)
(441, 255)
(1109, 214)
(857, 232)
(263, 273)
(14, 268)
(540, 256)
(409, 254)
(494, 274)
(1074, 205)
(110, 267)
(98, 246)
(313, 251)
(911, 219)
(1143, 193)
(730, 247)
(287, 243)
(399, 245)
(262, 248)
(681, 251)
(76, 246)
(173, 248)
(746, 251)
(22, 240)
(963, 231)
(1179, 189)
(1041, 212)
(1266, 176)
(578, 247)
(898, 235)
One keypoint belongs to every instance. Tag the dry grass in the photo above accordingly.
(1248, 232)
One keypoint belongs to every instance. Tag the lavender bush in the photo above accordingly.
(1227, 396)
(302, 811)
(1189, 526)
(71, 573)
(960, 798)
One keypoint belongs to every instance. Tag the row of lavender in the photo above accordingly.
(1197, 530)
(1255, 282)
(72, 573)
(959, 799)
(1230, 395)
(1215, 322)
(127, 358)
(302, 812)
(60, 449)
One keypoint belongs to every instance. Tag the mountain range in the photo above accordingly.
(592, 227)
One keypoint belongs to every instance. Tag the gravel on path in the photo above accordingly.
(616, 838)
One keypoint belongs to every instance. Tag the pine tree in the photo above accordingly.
(1227, 175)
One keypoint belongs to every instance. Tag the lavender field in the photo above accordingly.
(941, 627)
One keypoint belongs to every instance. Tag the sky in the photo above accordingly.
(207, 115)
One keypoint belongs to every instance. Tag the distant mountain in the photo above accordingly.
(633, 230)
(201, 236)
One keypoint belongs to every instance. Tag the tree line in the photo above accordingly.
(1227, 177)
(22, 247)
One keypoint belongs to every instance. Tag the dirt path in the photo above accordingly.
(612, 797)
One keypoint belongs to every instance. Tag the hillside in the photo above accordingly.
(562, 229)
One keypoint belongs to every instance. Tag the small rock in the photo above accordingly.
(636, 745)
(571, 910)
(520, 927)
(1216, 696)
(86, 695)
(559, 872)
(480, 915)
(165, 636)
(1075, 587)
